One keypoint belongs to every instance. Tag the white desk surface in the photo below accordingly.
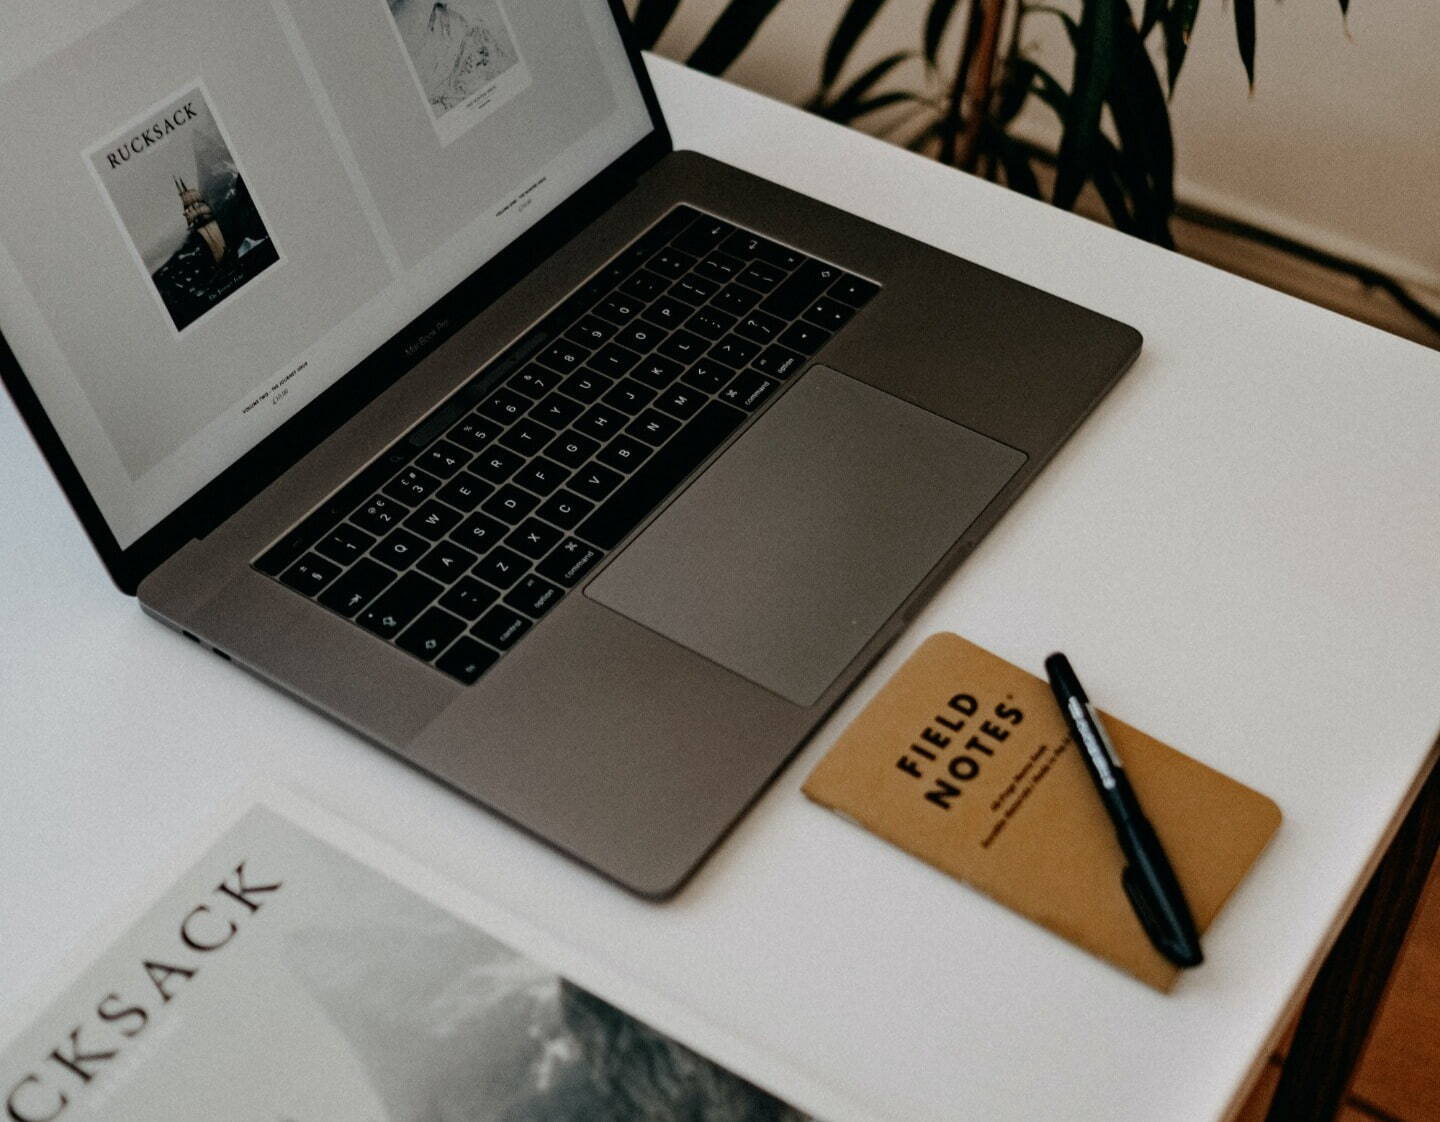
(1240, 550)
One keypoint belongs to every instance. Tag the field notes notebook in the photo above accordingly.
(964, 761)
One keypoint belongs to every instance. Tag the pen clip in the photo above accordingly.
(1147, 911)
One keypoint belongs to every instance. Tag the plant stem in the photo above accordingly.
(980, 83)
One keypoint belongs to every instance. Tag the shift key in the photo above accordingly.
(400, 605)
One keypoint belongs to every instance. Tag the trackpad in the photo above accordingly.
(787, 555)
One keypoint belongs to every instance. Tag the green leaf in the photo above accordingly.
(1019, 175)
(845, 101)
(852, 25)
(651, 19)
(935, 24)
(853, 111)
(1142, 117)
(1014, 89)
(1094, 67)
(1245, 36)
(730, 34)
(1154, 9)
(1176, 45)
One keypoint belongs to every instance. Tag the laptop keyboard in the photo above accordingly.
(465, 532)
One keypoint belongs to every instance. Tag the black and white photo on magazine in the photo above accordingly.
(285, 978)
(174, 185)
(463, 57)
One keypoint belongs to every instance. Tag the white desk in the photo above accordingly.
(1240, 549)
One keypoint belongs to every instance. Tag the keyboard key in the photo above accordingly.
(510, 504)
(657, 372)
(710, 323)
(572, 449)
(853, 290)
(600, 422)
(541, 475)
(644, 490)
(557, 411)
(595, 481)
(465, 492)
(668, 312)
(379, 515)
(345, 543)
(737, 300)
(684, 347)
(364, 581)
(412, 486)
(619, 309)
(443, 459)
(501, 567)
(694, 289)
(527, 437)
(563, 357)
(501, 627)
(400, 550)
(645, 285)
(533, 538)
(762, 275)
(804, 337)
(746, 245)
(640, 337)
(446, 561)
(497, 465)
(829, 314)
(505, 406)
(656, 428)
(760, 327)
(469, 598)
(735, 351)
(680, 401)
(565, 509)
(591, 331)
(748, 390)
(433, 520)
(475, 432)
(310, 574)
(624, 453)
(466, 660)
(800, 291)
(479, 532)
(586, 386)
(402, 602)
(628, 396)
(671, 262)
(778, 362)
(431, 634)
(535, 381)
(615, 360)
(703, 235)
(709, 376)
(720, 267)
(534, 596)
(569, 562)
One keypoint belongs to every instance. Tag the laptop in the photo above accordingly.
(388, 350)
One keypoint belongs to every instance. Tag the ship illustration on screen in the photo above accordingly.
(185, 207)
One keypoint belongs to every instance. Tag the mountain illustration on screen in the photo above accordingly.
(456, 46)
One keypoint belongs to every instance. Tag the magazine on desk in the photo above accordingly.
(287, 978)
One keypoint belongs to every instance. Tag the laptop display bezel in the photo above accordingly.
(252, 472)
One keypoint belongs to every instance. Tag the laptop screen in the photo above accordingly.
(211, 210)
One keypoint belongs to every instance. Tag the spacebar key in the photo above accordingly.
(627, 507)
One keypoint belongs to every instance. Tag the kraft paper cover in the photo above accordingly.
(964, 761)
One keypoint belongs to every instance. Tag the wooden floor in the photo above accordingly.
(1398, 1078)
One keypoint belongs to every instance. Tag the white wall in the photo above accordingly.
(1339, 146)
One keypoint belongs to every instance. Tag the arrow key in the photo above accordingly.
(429, 635)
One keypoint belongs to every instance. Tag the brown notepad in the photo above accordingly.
(964, 761)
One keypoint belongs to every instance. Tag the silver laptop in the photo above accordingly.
(388, 350)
